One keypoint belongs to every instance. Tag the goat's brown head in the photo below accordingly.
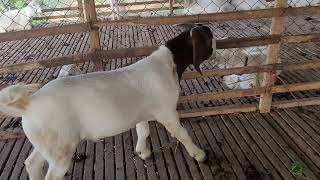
(192, 46)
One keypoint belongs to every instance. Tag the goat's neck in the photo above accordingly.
(181, 48)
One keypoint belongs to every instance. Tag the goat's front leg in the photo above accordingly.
(143, 132)
(34, 164)
(172, 124)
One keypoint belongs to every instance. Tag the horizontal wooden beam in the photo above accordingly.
(154, 9)
(238, 15)
(51, 31)
(145, 51)
(59, 61)
(105, 6)
(56, 17)
(314, 64)
(218, 17)
(106, 13)
(210, 111)
(249, 92)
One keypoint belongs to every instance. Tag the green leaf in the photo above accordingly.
(297, 168)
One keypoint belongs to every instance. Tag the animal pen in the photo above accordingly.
(268, 131)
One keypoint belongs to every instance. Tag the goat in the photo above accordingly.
(67, 110)
(70, 69)
(14, 20)
(240, 57)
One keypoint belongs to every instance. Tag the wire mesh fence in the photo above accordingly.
(16, 15)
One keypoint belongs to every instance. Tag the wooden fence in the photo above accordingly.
(274, 41)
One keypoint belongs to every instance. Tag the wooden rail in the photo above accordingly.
(210, 111)
(251, 14)
(138, 52)
(250, 92)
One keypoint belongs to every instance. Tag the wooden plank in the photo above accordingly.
(282, 144)
(157, 152)
(8, 166)
(107, 54)
(50, 31)
(91, 17)
(228, 152)
(139, 163)
(314, 64)
(89, 161)
(119, 157)
(218, 17)
(169, 156)
(277, 27)
(298, 140)
(109, 157)
(291, 142)
(129, 156)
(79, 165)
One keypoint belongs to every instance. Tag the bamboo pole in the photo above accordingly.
(91, 17)
(217, 17)
(80, 10)
(277, 27)
(249, 92)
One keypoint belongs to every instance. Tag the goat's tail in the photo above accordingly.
(14, 99)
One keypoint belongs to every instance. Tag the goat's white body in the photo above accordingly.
(106, 103)
(14, 20)
(92, 106)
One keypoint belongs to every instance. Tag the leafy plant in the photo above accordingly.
(297, 168)
(19, 4)
(39, 22)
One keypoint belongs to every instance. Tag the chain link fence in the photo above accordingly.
(17, 15)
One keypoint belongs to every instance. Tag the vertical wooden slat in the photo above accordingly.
(80, 9)
(272, 58)
(171, 7)
(91, 17)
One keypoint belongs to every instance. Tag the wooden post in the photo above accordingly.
(80, 9)
(272, 58)
(171, 7)
(91, 17)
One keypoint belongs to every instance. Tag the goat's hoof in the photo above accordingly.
(209, 159)
(144, 154)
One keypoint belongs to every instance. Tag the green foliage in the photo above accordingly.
(19, 4)
(297, 168)
(39, 22)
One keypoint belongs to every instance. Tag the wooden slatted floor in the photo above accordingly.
(244, 145)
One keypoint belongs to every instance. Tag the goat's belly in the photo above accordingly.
(110, 122)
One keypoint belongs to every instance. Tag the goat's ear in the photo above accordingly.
(199, 47)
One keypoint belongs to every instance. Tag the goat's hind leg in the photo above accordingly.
(143, 132)
(172, 124)
(34, 164)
